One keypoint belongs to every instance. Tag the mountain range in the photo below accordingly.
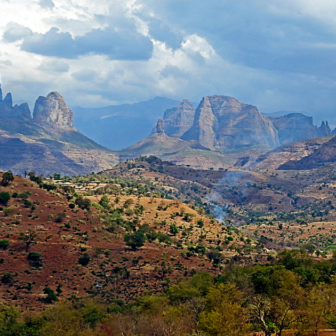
(47, 141)
(221, 132)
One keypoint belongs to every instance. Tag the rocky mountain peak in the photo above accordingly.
(52, 111)
(179, 119)
(223, 122)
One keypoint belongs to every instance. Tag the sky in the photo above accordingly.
(276, 54)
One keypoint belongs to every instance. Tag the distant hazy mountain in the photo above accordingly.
(120, 126)
(283, 113)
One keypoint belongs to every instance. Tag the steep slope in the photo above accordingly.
(84, 252)
(280, 155)
(223, 123)
(324, 155)
(47, 142)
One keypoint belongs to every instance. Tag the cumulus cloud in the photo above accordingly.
(15, 32)
(115, 44)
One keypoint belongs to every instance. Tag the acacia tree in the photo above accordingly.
(7, 177)
(28, 238)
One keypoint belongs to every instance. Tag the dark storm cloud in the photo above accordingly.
(124, 44)
(253, 34)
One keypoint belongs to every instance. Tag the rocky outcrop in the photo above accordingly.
(52, 111)
(295, 127)
(179, 119)
(224, 123)
(8, 111)
(159, 128)
(324, 129)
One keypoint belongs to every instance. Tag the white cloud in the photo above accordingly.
(274, 54)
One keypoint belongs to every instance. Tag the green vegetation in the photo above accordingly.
(7, 177)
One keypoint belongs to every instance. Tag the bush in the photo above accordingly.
(4, 244)
(7, 211)
(4, 197)
(7, 278)
(35, 259)
(84, 259)
(51, 296)
(83, 203)
(59, 217)
(135, 240)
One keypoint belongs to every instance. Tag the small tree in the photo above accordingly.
(7, 177)
(4, 198)
(104, 202)
(84, 259)
(28, 238)
(200, 223)
(51, 296)
(174, 229)
(135, 240)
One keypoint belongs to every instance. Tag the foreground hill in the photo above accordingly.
(80, 250)
(47, 142)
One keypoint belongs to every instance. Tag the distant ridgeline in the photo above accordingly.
(222, 122)
(47, 141)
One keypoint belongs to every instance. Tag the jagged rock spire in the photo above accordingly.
(324, 129)
(159, 127)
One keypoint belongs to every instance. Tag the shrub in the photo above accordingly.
(135, 240)
(7, 278)
(59, 217)
(35, 259)
(4, 244)
(84, 259)
(4, 197)
(7, 211)
(51, 296)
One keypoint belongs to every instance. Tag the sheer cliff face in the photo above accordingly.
(223, 122)
(179, 119)
(52, 111)
(295, 127)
